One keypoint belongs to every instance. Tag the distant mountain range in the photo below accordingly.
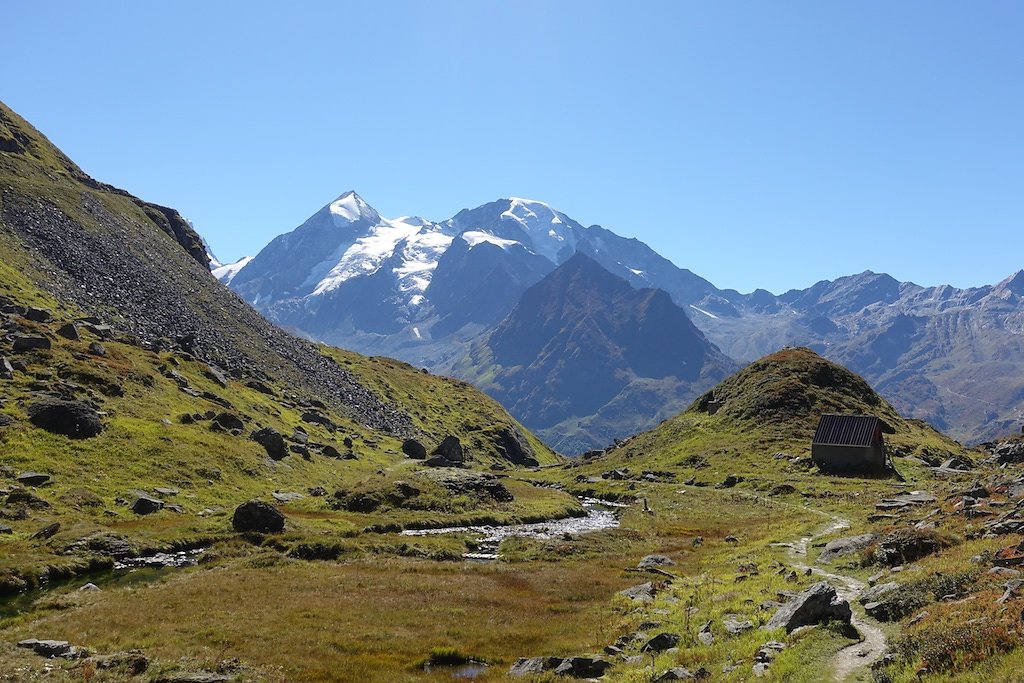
(449, 296)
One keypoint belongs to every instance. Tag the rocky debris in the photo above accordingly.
(767, 652)
(450, 449)
(255, 515)
(272, 441)
(414, 449)
(473, 483)
(53, 648)
(655, 562)
(527, 666)
(32, 478)
(146, 505)
(643, 592)
(816, 605)
(69, 331)
(30, 342)
(661, 642)
(73, 419)
(1006, 452)
(841, 547)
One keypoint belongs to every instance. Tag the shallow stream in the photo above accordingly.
(600, 515)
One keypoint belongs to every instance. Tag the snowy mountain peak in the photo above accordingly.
(350, 208)
(549, 230)
(227, 272)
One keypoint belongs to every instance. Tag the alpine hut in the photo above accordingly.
(849, 443)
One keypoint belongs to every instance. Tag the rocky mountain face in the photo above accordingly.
(584, 358)
(426, 292)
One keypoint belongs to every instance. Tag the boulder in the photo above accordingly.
(215, 374)
(39, 315)
(6, 369)
(736, 626)
(19, 497)
(69, 331)
(661, 642)
(583, 667)
(906, 545)
(450, 449)
(272, 441)
(875, 593)
(676, 674)
(228, 421)
(4, 529)
(729, 481)
(512, 445)
(32, 478)
(414, 449)
(133, 662)
(30, 342)
(97, 349)
(256, 515)
(73, 419)
(841, 547)
(146, 505)
(48, 531)
(816, 605)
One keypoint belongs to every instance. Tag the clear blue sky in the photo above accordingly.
(759, 144)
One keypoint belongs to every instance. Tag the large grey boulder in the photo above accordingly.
(272, 441)
(450, 449)
(414, 449)
(816, 605)
(146, 505)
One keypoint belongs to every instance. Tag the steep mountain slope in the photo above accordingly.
(584, 358)
(155, 400)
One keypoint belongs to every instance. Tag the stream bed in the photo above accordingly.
(600, 514)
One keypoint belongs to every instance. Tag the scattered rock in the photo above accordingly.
(228, 422)
(73, 419)
(729, 481)
(217, 375)
(165, 491)
(32, 478)
(842, 547)
(286, 497)
(51, 648)
(146, 505)
(39, 315)
(19, 497)
(196, 677)
(906, 545)
(875, 593)
(526, 666)
(676, 674)
(97, 349)
(256, 515)
(6, 369)
(816, 605)
(414, 449)
(4, 529)
(735, 626)
(705, 635)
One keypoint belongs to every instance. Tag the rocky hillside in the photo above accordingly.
(140, 399)
(584, 358)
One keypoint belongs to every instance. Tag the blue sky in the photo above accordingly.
(758, 144)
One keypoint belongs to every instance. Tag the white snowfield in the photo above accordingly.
(227, 272)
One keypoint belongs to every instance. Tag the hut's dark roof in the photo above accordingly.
(846, 430)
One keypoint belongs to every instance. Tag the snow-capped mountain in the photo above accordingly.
(426, 291)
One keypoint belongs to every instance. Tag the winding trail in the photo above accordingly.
(859, 655)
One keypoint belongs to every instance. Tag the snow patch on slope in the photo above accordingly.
(227, 272)
(349, 208)
(475, 237)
